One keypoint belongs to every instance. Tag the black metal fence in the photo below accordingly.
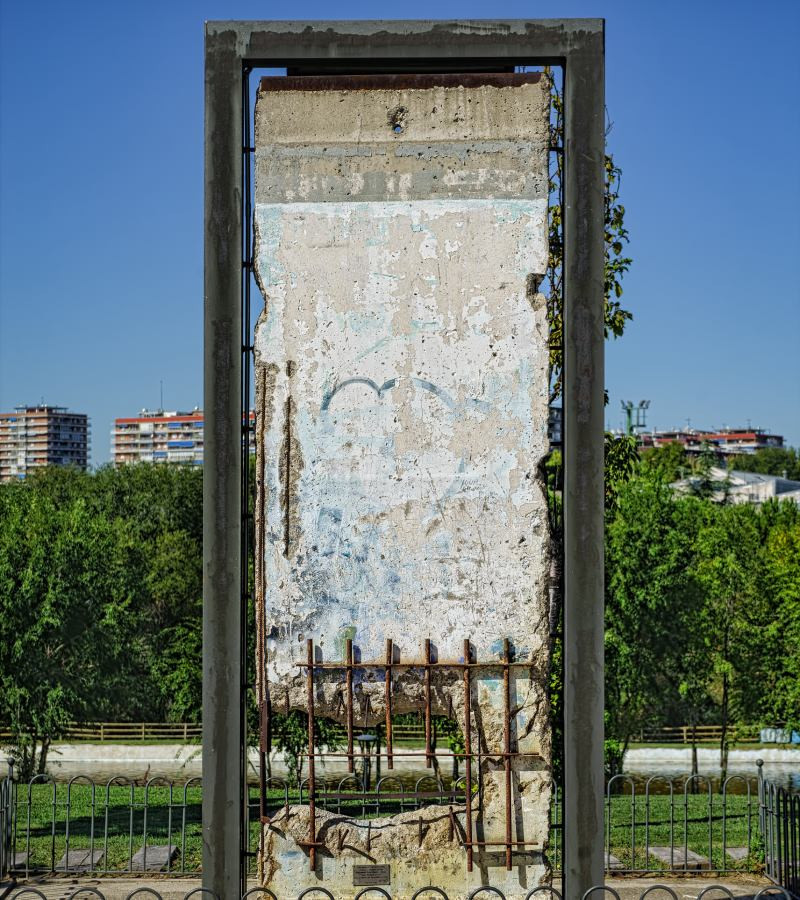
(658, 825)
(779, 821)
(425, 893)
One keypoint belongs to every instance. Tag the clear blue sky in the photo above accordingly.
(101, 154)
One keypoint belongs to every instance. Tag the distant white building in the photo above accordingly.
(744, 487)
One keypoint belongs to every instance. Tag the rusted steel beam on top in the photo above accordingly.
(395, 82)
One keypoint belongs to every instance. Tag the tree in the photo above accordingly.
(727, 567)
(766, 652)
(617, 262)
(669, 463)
(290, 735)
(780, 461)
(64, 615)
(650, 600)
(780, 645)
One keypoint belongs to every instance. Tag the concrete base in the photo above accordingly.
(676, 856)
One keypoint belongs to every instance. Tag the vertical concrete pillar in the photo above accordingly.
(222, 750)
(584, 90)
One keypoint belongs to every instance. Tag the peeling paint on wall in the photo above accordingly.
(402, 400)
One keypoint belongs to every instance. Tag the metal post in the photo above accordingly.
(584, 103)
(223, 787)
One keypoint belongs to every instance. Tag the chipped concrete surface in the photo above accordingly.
(401, 374)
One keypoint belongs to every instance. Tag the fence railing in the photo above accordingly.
(409, 732)
(682, 734)
(124, 731)
(779, 820)
(121, 827)
(429, 892)
(6, 821)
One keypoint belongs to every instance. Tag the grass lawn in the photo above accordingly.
(698, 826)
(56, 815)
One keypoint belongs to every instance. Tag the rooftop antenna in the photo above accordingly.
(161, 385)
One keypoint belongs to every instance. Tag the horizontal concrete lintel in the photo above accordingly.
(320, 45)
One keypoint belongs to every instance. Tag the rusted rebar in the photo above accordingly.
(468, 755)
(388, 701)
(312, 825)
(428, 751)
(349, 691)
(263, 753)
(507, 743)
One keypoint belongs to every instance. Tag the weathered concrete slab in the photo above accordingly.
(677, 857)
(154, 859)
(20, 860)
(79, 861)
(402, 404)
(612, 862)
(737, 853)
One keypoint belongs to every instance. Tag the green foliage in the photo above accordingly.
(702, 608)
(621, 457)
(780, 461)
(616, 238)
(100, 593)
(290, 735)
(668, 463)
(650, 598)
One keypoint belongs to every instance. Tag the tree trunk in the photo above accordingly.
(43, 756)
(723, 741)
(434, 761)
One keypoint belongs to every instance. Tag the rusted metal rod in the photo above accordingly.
(428, 750)
(312, 825)
(446, 754)
(438, 664)
(468, 755)
(263, 752)
(349, 691)
(507, 744)
(388, 701)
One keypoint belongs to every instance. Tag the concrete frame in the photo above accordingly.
(231, 49)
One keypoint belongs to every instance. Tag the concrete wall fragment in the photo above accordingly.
(402, 400)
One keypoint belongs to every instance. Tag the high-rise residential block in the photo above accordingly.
(35, 436)
(158, 436)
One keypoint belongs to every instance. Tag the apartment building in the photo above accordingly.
(32, 437)
(157, 436)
